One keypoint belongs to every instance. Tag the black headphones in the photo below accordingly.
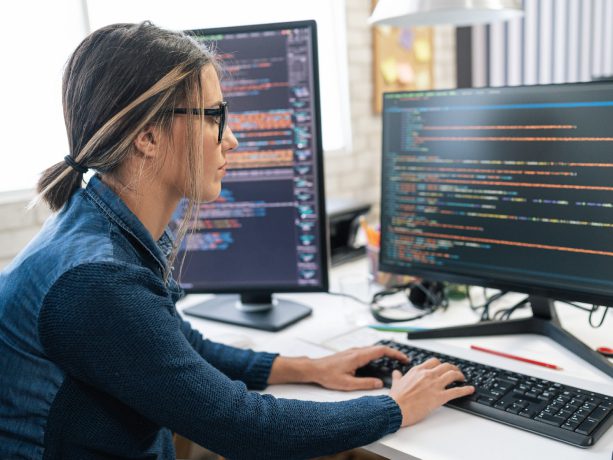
(427, 294)
(424, 295)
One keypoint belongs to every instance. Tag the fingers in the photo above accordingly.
(458, 392)
(396, 377)
(365, 355)
(451, 376)
(391, 353)
(362, 383)
(444, 368)
(429, 364)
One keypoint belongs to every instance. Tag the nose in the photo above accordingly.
(228, 141)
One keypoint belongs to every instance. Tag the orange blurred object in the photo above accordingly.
(373, 237)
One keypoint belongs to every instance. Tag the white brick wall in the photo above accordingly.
(354, 174)
(17, 225)
(357, 174)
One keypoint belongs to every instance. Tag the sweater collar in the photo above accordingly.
(114, 207)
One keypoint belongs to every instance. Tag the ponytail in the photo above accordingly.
(58, 183)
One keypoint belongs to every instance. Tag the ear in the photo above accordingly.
(147, 142)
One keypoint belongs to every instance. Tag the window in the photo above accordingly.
(36, 39)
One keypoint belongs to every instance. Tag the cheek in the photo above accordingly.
(212, 152)
(176, 166)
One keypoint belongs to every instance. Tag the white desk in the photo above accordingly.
(447, 433)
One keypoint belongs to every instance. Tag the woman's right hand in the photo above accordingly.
(422, 389)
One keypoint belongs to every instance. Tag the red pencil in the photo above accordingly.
(518, 358)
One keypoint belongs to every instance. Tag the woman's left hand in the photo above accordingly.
(337, 371)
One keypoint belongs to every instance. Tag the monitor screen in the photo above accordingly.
(266, 231)
(502, 187)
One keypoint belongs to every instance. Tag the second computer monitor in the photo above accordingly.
(507, 187)
(267, 231)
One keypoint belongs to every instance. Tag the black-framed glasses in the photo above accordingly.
(220, 112)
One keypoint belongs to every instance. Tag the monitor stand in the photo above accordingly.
(255, 310)
(544, 321)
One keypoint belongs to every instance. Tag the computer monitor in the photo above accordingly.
(266, 232)
(510, 188)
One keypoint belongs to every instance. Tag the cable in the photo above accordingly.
(352, 297)
(435, 303)
(595, 308)
(505, 314)
(485, 315)
(485, 307)
(591, 311)
(468, 296)
(580, 307)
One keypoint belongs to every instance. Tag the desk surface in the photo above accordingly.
(338, 323)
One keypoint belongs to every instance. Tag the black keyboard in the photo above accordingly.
(568, 414)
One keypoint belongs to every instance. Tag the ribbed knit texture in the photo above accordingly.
(134, 366)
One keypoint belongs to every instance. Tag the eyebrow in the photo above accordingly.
(215, 103)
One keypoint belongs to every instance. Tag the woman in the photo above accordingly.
(96, 362)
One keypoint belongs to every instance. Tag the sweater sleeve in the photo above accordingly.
(252, 368)
(115, 327)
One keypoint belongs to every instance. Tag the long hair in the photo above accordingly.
(120, 79)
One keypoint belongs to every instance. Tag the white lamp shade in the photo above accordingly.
(430, 12)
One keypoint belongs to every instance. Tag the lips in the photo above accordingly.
(223, 166)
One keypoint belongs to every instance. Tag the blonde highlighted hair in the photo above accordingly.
(119, 80)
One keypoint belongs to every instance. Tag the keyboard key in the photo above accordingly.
(503, 384)
(550, 419)
(582, 413)
(588, 406)
(564, 399)
(486, 400)
(504, 403)
(515, 409)
(570, 426)
(571, 407)
(587, 426)
(600, 413)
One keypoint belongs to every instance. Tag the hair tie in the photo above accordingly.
(74, 165)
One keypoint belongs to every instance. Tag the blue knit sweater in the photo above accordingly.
(96, 363)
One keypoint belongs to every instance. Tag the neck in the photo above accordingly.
(150, 202)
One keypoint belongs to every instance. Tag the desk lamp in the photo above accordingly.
(453, 12)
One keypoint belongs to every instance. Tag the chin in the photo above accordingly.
(211, 194)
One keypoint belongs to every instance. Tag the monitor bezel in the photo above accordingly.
(453, 276)
(324, 286)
